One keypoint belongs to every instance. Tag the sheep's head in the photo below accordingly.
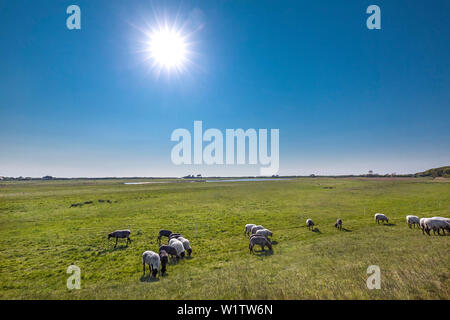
(189, 252)
(154, 272)
(182, 254)
(110, 235)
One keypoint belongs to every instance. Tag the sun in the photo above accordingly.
(168, 49)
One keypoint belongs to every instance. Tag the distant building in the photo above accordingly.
(47, 178)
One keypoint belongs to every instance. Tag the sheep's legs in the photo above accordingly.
(116, 242)
(144, 267)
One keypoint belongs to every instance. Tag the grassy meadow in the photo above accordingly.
(41, 235)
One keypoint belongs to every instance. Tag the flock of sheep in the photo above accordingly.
(177, 247)
(428, 224)
(258, 235)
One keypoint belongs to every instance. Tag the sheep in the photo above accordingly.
(380, 217)
(422, 225)
(153, 260)
(164, 233)
(264, 232)
(412, 220)
(178, 245)
(259, 236)
(169, 250)
(186, 245)
(164, 257)
(256, 228)
(338, 224)
(435, 225)
(248, 228)
(309, 224)
(175, 236)
(261, 241)
(120, 234)
(443, 219)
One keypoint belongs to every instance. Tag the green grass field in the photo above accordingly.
(41, 236)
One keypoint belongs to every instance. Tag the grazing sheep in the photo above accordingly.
(338, 224)
(381, 217)
(164, 257)
(256, 228)
(309, 224)
(186, 245)
(175, 236)
(412, 220)
(169, 250)
(259, 236)
(435, 225)
(164, 233)
(443, 219)
(152, 259)
(248, 228)
(264, 232)
(261, 241)
(178, 245)
(120, 234)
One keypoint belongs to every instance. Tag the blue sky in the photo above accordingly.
(345, 99)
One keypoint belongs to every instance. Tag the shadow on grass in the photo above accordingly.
(316, 230)
(262, 253)
(346, 230)
(389, 224)
(274, 243)
(149, 278)
(109, 250)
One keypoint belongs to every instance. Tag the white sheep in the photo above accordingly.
(412, 220)
(261, 241)
(309, 224)
(256, 228)
(186, 245)
(435, 225)
(264, 232)
(248, 228)
(152, 259)
(178, 245)
(443, 219)
(381, 217)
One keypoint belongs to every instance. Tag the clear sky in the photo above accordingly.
(345, 99)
